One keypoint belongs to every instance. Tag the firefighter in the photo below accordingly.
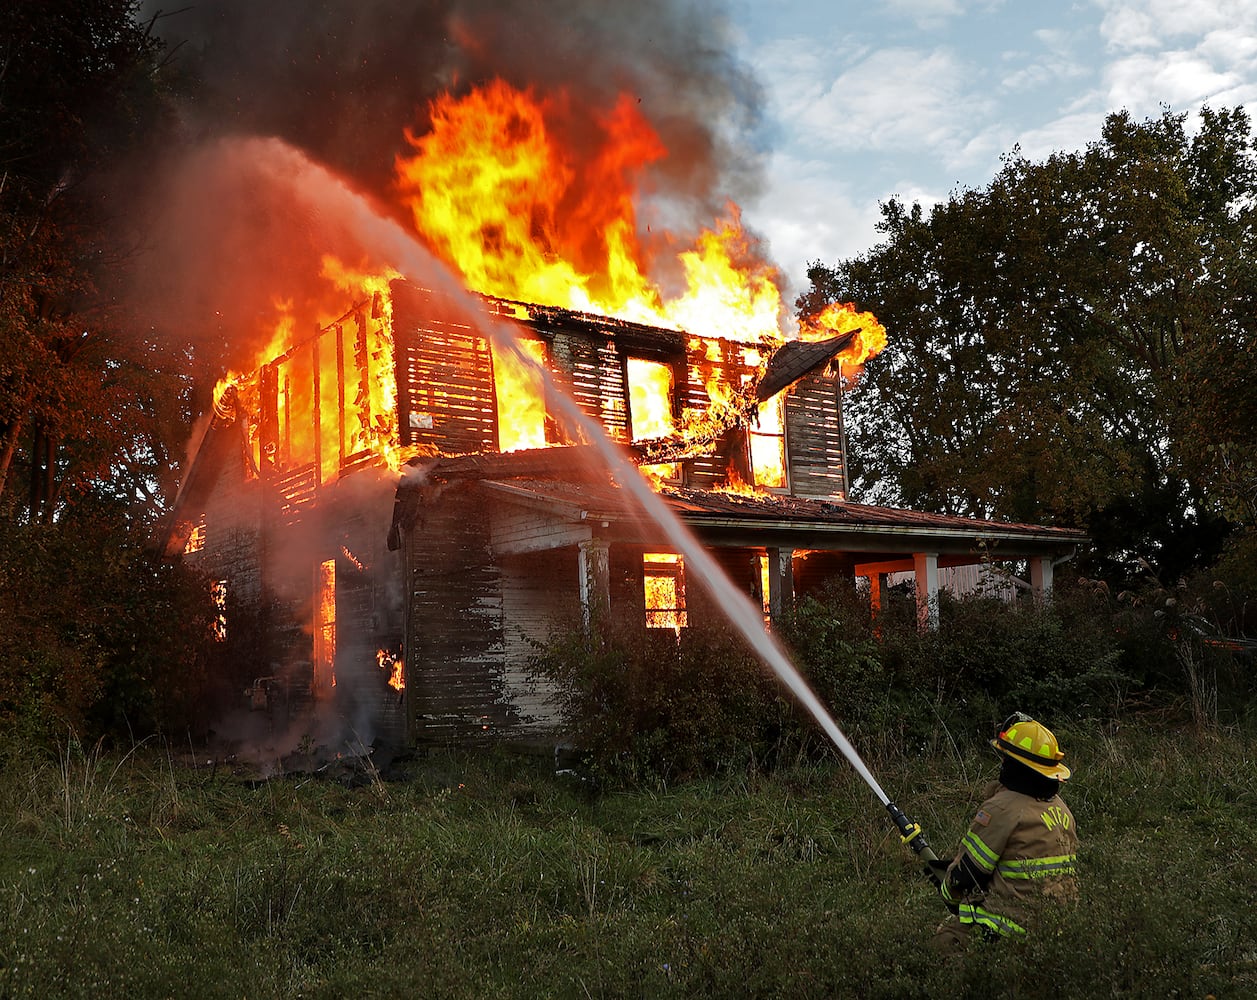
(1021, 846)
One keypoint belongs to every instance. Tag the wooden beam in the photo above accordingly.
(1041, 578)
(594, 568)
(780, 581)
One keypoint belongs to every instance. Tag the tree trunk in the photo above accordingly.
(43, 473)
(10, 446)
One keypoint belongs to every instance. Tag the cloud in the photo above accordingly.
(811, 215)
(1177, 79)
(905, 100)
(1179, 53)
(1155, 24)
(1067, 133)
(927, 14)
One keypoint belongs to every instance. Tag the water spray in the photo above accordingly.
(385, 235)
(735, 603)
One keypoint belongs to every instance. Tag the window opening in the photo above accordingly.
(664, 578)
(651, 413)
(767, 439)
(325, 628)
(521, 396)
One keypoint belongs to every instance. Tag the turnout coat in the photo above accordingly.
(1018, 851)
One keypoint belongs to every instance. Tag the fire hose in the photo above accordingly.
(912, 835)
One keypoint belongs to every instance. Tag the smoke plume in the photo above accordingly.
(341, 80)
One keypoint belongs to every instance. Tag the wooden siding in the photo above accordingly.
(813, 570)
(538, 601)
(814, 439)
(445, 396)
(297, 490)
(454, 642)
(516, 530)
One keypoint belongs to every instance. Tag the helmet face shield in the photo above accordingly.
(1033, 744)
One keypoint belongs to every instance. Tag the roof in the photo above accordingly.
(796, 358)
(542, 481)
(715, 507)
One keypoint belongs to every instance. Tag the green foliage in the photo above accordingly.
(87, 396)
(654, 706)
(894, 685)
(101, 634)
(650, 707)
(495, 877)
(1072, 344)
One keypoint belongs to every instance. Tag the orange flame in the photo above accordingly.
(392, 664)
(342, 360)
(838, 318)
(498, 193)
(664, 590)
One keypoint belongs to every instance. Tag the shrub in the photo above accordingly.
(895, 686)
(657, 707)
(100, 633)
(650, 705)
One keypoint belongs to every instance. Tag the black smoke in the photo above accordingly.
(342, 79)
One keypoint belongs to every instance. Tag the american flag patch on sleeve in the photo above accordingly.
(982, 818)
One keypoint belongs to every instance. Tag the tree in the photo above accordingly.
(1072, 343)
(79, 95)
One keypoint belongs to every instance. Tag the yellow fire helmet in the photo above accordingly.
(1033, 744)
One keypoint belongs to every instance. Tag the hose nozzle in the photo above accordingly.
(912, 835)
(911, 832)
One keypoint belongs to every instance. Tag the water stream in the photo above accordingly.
(386, 237)
(736, 605)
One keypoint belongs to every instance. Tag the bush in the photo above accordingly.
(100, 633)
(893, 686)
(649, 705)
(656, 707)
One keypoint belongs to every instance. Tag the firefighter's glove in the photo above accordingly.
(936, 872)
(949, 901)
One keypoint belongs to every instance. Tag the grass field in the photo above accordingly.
(144, 875)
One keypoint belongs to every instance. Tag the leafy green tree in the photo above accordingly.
(1073, 343)
(101, 633)
(80, 389)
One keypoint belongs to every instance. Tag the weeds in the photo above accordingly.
(494, 877)
(85, 787)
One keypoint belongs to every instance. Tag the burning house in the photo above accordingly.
(399, 505)
(391, 494)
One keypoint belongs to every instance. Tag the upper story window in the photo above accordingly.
(767, 441)
(521, 396)
(652, 407)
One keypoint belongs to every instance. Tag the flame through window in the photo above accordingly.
(325, 634)
(664, 580)
(218, 594)
(520, 391)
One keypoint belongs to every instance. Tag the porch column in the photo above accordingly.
(780, 581)
(1041, 578)
(877, 583)
(925, 565)
(594, 573)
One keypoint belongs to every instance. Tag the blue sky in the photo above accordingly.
(914, 98)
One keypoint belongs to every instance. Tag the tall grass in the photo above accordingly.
(491, 876)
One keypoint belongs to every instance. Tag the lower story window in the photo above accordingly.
(218, 594)
(664, 575)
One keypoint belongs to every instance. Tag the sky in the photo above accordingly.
(914, 99)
